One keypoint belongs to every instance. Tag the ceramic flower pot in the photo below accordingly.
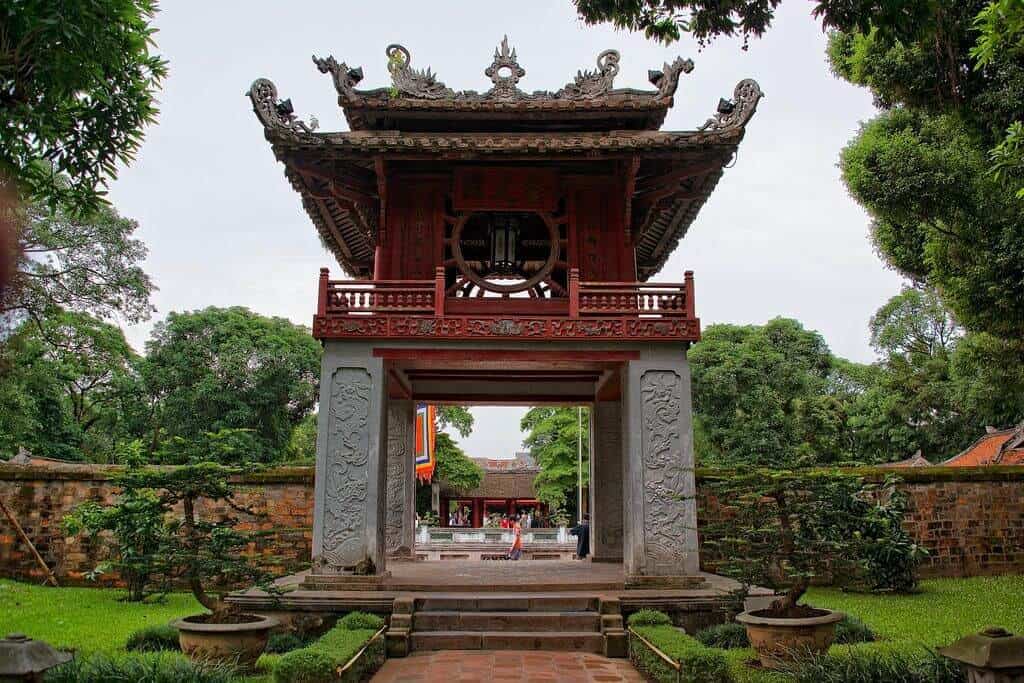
(778, 641)
(240, 643)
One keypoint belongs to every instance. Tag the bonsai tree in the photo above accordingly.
(157, 529)
(203, 552)
(783, 528)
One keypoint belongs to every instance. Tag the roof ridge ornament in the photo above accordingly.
(275, 113)
(735, 113)
(505, 73)
(409, 81)
(345, 79)
(590, 84)
(666, 80)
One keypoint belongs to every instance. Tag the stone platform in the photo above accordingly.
(692, 608)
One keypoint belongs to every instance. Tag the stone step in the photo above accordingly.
(582, 641)
(507, 621)
(507, 603)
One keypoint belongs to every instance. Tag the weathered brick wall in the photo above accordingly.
(39, 498)
(970, 519)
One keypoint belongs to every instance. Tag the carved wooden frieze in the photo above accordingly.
(511, 327)
(347, 468)
(665, 518)
(398, 478)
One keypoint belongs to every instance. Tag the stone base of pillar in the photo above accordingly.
(344, 582)
(676, 582)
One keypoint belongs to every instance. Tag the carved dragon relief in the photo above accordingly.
(664, 515)
(735, 113)
(409, 81)
(590, 84)
(347, 476)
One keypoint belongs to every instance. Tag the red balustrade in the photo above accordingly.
(400, 308)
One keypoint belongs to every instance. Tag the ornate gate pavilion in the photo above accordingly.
(500, 246)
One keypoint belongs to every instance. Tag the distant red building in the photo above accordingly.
(997, 447)
(506, 489)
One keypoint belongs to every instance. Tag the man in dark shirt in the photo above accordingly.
(582, 533)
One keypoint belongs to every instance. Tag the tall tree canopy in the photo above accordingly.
(229, 368)
(553, 439)
(85, 264)
(64, 383)
(77, 86)
(761, 394)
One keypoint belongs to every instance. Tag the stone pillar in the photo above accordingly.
(606, 482)
(660, 511)
(349, 498)
(400, 519)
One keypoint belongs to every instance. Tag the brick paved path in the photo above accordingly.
(455, 666)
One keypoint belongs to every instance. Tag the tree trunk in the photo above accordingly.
(194, 583)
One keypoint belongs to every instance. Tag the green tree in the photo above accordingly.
(922, 168)
(77, 86)
(668, 20)
(456, 417)
(65, 380)
(454, 467)
(229, 368)
(762, 396)
(553, 439)
(80, 264)
(1001, 28)
(302, 443)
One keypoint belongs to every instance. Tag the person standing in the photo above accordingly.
(582, 533)
(516, 551)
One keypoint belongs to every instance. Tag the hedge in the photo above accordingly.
(323, 661)
(694, 663)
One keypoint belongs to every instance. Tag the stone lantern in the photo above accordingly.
(993, 656)
(24, 659)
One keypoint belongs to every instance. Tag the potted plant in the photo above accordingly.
(205, 553)
(780, 529)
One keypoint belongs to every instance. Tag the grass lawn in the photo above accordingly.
(83, 619)
(944, 610)
(97, 620)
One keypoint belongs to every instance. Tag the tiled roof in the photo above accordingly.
(1002, 447)
(512, 484)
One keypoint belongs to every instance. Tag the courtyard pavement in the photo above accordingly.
(465, 666)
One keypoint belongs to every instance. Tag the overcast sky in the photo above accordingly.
(779, 237)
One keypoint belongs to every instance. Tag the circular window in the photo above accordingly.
(505, 252)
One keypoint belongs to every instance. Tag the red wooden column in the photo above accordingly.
(510, 507)
(478, 513)
(321, 301)
(691, 307)
(443, 511)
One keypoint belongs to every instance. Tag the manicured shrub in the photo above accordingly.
(697, 663)
(354, 621)
(156, 667)
(857, 665)
(279, 643)
(331, 652)
(305, 666)
(852, 630)
(154, 639)
(727, 636)
(649, 617)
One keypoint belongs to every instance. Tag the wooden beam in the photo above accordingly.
(507, 355)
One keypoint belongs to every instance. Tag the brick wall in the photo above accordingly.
(970, 519)
(40, 497)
